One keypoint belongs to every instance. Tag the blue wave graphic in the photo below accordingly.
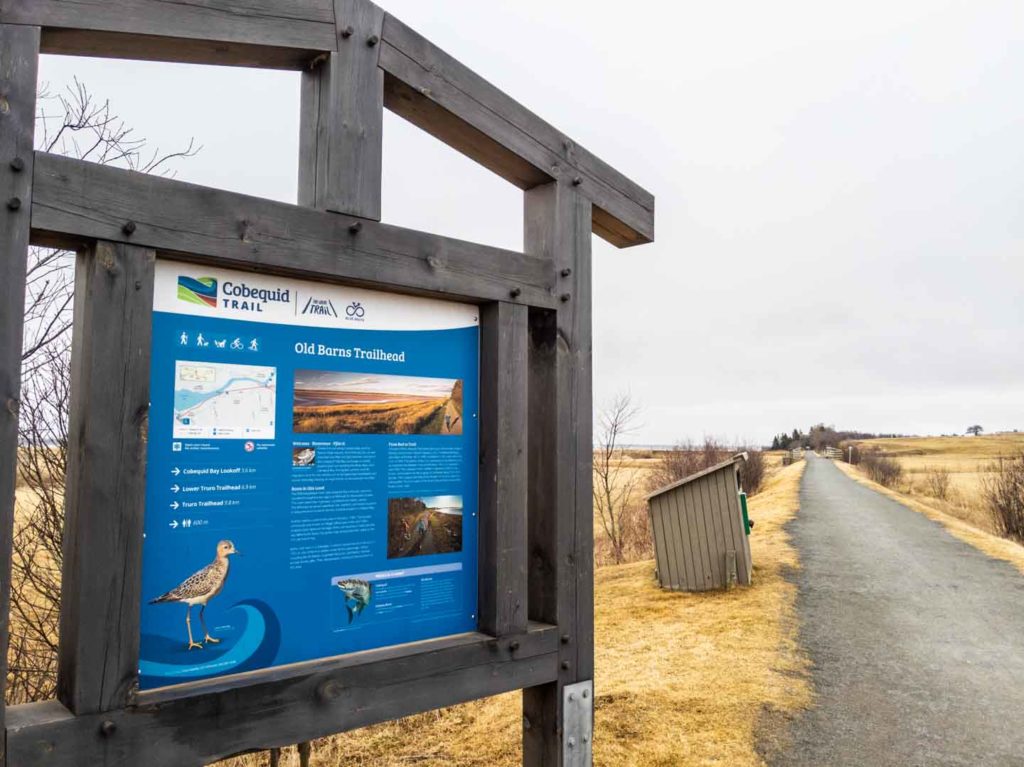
(256, 647)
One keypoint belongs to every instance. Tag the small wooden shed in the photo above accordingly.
(700, 530)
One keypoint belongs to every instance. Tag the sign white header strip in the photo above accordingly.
(202, 291)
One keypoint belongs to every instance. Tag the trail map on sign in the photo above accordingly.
(223, 401)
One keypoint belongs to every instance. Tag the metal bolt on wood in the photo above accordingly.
(566, 272)
(515, 292)
(372, 40)
(108, 728)
(17, 165)
(355, 227)
(347, 32)
(129, 228)
(577, 180)
(14, 203)
(565, 298)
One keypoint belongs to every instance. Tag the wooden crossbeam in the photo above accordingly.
(77, 201)
(423, 84)
(284, 705)
(273, 34)
(450, 101)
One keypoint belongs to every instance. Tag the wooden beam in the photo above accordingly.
(342, 123)
(77, 202)
(252, 33)
(316, 700)
(503, 455)
(106, 483)
(557, 223)
(448, 100)
(19, 56)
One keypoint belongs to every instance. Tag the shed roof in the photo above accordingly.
(711, 470)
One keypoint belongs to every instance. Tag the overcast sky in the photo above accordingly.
(840, 193)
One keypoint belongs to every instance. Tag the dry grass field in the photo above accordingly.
(958, 524)
(965, 458)
(416, 416)
(681, 679)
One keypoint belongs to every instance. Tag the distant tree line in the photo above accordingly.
(821, 436)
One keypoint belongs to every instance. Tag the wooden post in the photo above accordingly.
(561, 589)
(19, 56)
(342, 127)
(503, 467)
(106, 483)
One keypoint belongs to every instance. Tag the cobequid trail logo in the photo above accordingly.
(201, 290)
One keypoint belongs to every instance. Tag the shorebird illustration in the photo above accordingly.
(200, 588)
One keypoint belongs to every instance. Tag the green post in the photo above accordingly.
(743, 507)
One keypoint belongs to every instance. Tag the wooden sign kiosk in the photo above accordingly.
(536, 580)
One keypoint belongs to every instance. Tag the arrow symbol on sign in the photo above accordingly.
(175, 471)
(174, 525)
(175, 505)
(175, 488)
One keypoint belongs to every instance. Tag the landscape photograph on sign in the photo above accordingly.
(328, 402)
(424, 525)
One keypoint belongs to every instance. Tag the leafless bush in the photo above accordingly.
(852, 454)
(615, 484)
(1004, 494)
(687, 458)
(71, 123)
(753, 472)
(882, 469)
(938, 483)
(635, 537)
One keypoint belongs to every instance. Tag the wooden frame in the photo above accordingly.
(536, 576)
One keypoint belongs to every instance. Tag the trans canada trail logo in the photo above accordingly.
(202, 290)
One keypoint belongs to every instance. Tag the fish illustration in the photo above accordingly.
(357, 596)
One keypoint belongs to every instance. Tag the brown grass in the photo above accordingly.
(681, 679)
(410, 417)
(966, 459)
(993, 545)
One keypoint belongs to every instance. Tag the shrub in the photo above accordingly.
(752, 473)
(1004, 495)
(937, 483)
(882, 469)
(687, 458)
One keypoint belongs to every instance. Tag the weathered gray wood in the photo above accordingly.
(557, 226)
(19, 55)
(711, 540)
(77, 201)
(503, 468)
(106, 486)
(674, 569)
(353, 692)
(656, 512)
(342, 129)
(691, 506)
(256, 33)
(453, 103)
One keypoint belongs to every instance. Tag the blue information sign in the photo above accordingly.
(311, 476)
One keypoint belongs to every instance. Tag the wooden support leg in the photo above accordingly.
(275, 757)
(19, 55)
(561, 587)
(305, 753)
